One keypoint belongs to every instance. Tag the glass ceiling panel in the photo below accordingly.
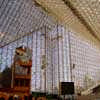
(19, 17)
(90, 11)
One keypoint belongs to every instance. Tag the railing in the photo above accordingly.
(90, 90)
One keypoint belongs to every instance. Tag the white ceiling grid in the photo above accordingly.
(66, 15)
(90, 11)
(13, 14)
(20, 17)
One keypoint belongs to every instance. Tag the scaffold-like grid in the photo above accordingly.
(67, 56)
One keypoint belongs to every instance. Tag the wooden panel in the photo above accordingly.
(23, 76)
(90, 97)
(21, 89)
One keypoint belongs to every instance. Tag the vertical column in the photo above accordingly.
(69, 58)
(43, 59)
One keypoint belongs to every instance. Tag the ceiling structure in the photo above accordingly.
(77, 14)
(89, 12)
(82, 16)
(19, 18)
